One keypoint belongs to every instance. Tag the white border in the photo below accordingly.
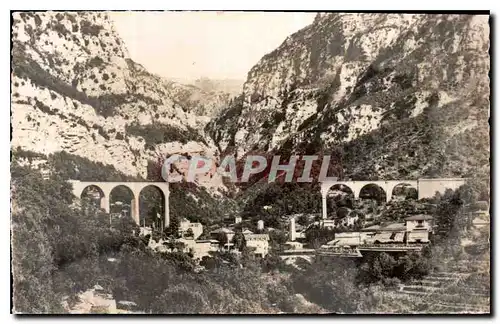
(192, 5)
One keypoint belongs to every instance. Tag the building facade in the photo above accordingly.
(418, 228)
(260, 242)
(185, 225)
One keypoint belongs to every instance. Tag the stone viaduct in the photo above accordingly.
(135, 188)
(426, 188)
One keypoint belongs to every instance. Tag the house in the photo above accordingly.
(480, 219)
(418, 228)
(481, 214)
(204, 247)
(391, 233)
(346, 239)
(185, 225)
(327, 223)
(419, 222)
(143, 231)
(367, 234)
(349, 220)
(293, 245)
(260, 242)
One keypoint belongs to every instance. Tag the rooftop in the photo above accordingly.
(394, 227)
(371, 228)
(253, 236)
(419, 217)
(207, 241)
(222, 230)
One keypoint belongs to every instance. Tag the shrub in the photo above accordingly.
(87, 28)
(162, 133)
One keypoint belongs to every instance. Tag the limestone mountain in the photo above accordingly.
(202, 102)
(75, 89)
(230, 86)
(401, 95)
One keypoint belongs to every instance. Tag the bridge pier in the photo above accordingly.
(105, 203)
(166, 210)
(388, 194)
(134, 208)
(324, 207)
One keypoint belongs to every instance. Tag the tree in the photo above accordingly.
(272, 262)
(173, 229)
(317, 236)
(303, 220)
(383, 266)
(189, 233)
(452, 216)
(277, 239)
(239, 241)
(331, 285)
(182, 298)
(222, 238)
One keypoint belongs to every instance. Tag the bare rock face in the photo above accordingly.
(399, 94)
(75, 89)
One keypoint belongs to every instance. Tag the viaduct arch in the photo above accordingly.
(135, 187)
(426, 188)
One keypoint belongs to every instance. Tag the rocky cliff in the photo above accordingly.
(75, 89)
(400, 95)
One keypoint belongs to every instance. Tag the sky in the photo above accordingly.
(216, 45)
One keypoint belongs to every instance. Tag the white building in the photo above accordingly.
(293, 246)
(367, 234)
(260, 242)
(327, 223)
(481, 214)
(185, 225)
(200, 248)
(346, 239)
(143, 231)
(418, 228)
(349, 220)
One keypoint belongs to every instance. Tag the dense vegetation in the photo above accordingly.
(60, 249)
(162, 133)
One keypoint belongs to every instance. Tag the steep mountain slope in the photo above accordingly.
(230, 86)
(75, 89)
(400, 95)
(201, 101)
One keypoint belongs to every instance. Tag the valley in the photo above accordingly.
(399, 102)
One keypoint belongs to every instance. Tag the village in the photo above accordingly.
(411, 235)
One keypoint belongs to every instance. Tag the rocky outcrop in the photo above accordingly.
(399, 94)
(75, 89)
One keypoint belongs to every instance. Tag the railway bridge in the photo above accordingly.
(426, 188)
(105, 189)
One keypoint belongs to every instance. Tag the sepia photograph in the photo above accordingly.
(250, 162)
